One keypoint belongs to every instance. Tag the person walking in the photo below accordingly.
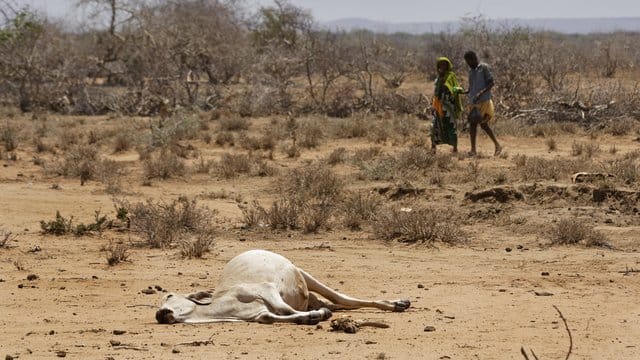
(447, 106)
(482, 111)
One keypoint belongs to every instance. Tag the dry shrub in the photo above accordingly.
(202, 166)
(123, 140)
(358, 208)
(622, 126)
(572, 231)
(196, 245)
(362, 155)
(80, 161)
(163, 224)
(9, 136)
(264, 142)
(164, 165)
(225, 138)
(234, 123)
(378, 169)
(537, 168)
(586, 149)
(337, 156)
(116, 253)
(310, 133)
(380, 132)
(352, 127)
(308, 197)
(262, 168)
(626, 169)
(423, 225)
(231, 165)
(180, 126)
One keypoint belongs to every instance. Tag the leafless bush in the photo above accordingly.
(337, 156)
(572, 231)
(349, 128)
(586, 149)
(418, 225)
(358, 208)
(116, 253)
(622, 126)
(9, 136)
(537, 168)
(225, 138)
(164, 224)
(310, 133)
(626, 169)
(123, 140)
(231, 165)
(234, 123)
(80, 161)
(163, 165)
(196, 245)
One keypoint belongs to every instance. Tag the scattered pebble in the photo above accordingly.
(61, 353)
(148, 291)
(543, 293)
(545, 273)
(507, 249)
(429, 328)
(118, 332)
(32, 277)
(420, 286)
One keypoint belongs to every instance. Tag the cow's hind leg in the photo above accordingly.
(345, 302)
(299, 317)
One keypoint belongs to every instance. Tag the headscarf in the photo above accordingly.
(450, 81)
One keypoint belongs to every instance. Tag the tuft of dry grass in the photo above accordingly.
(9, 136)
(234, 123)
(232, 165)
(551, 144)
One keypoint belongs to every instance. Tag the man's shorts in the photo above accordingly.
(486, 111)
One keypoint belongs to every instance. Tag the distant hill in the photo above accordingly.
(567, 26)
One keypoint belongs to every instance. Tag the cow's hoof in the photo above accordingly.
(401, 305)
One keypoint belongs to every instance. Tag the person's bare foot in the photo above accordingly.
(498, 151)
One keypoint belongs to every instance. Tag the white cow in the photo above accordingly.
(262, 286)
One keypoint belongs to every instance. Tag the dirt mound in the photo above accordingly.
(501, 194)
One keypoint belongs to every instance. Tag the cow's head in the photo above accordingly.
(177, 308)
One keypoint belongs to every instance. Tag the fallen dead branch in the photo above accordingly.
(524, 353)
(566, 326)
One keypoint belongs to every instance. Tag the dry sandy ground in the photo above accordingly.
(480, 298)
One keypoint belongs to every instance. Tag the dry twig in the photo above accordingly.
(568, 331)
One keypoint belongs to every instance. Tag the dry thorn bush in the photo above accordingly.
(116, 253)
(422, 225)
(572, 231)
(232, 165)
(164, 165)
(166, 224)
(337, 156)
(197, 244)
(10, 137)
(359, 208)
(233, 123)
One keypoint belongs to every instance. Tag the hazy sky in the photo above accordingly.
(425, 10)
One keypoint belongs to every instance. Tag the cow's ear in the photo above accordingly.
(201, 297)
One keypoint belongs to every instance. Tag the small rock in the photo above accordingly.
(8, 357)
(61, 353)
(507, 249)
(114, 342)
(118, 332)
(175, 351)
(519, 247)
(545, 273)
(543, 293)
(52, 332)
(158, 287)
(429, 328)
(32, 277)
(148, 291)
(420, 286)
(20, 286)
